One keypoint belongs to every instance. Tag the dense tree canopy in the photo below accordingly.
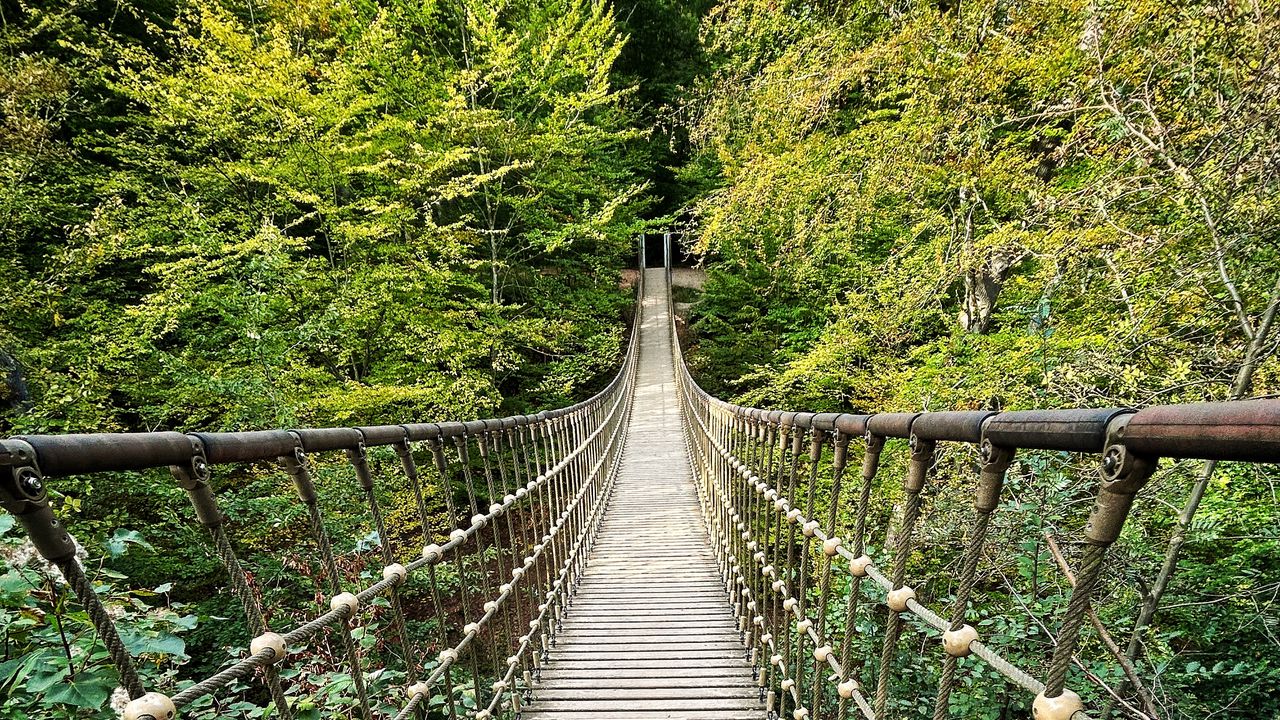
(222, 216)
(934, 206)
(244, 215)
(1078, 199)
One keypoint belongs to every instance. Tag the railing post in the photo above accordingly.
(24, 494)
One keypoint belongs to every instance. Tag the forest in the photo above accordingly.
(223, 215)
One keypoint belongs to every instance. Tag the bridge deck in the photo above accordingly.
(650, 633)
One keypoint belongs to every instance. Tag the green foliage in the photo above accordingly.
(989, 202)
(54, 665)
(219, 216)
(327, 213)
(933, 206)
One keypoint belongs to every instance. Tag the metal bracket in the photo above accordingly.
(359, 460)
(995, 463)
(194, 478)
(1124, 473)
(23, 493)
(296, 467)
(922, 460)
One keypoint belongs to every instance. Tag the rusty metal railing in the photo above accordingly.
(788, 528)
(535, 487)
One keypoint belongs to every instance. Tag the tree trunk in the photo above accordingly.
(493, 266)
(15, 394)
(982, 286)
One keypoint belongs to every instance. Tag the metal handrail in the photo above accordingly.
(552, 469)
(752, 499)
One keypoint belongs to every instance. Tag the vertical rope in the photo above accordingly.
(297, 468)
(789, 572)
(870, 466)
(893, 626)
(495, 499)
(461, 445)
(816, 439)
(946, 682)
(921, 458)
(519, 543)
(840, 445)
(987, 496)
(120, 657)
(464, 591)
(1090, 572)
(776, 447)
(252, 611)
(359, 463)
(405, 453)
(195, 480)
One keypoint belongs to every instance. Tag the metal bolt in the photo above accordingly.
(30, 483)
(985, 451)
(1111, 461)
(912, 442)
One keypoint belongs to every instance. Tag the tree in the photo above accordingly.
(1008, 205)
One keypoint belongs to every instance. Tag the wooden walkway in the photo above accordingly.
(650, 633)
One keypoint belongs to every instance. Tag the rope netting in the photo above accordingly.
(524, 493)
(815, 573)
(793, 533)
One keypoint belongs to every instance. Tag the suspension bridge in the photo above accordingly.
(652, 552)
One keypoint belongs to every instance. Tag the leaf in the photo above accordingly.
(47, 673)
(369, 542)
(8, 669)
(12, 583)
(187, 622)
(86, 690)
(144, 643)
(6, 523)
(118, 544)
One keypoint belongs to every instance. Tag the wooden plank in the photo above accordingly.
(686, 635)
(632, 671)
(710, 622)
(650, 633)
(736, 682)
(586, 651)
(644, 715)
(699, 613)
(684, 703)
(651, 659)
(620, 694)
(650, 618)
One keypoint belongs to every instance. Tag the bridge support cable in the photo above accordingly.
(759, 475)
